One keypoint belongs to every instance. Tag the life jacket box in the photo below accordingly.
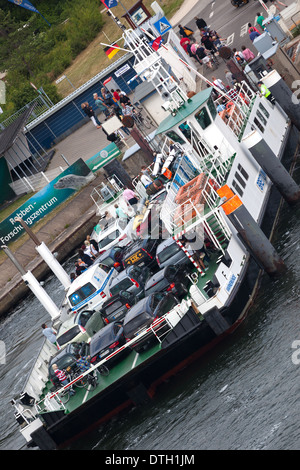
(191, 189)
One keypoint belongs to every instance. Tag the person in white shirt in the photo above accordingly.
(219, 84)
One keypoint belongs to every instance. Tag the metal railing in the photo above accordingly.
(41, 106)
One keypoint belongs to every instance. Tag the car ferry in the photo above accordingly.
(219, 196)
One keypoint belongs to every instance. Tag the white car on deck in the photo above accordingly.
(90, 289)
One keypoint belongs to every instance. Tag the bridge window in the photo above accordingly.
(186, 130)
(175, 137)
(212, 108)
(203, 118)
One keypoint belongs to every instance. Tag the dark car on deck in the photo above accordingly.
(172, 278)
(115, 307)
(108, 341)
(141, 253)
(143, 314)
(112, 258)
(132, 280)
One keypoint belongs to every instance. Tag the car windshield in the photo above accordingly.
(168, 252)
(136, 323)
(124, 284)
(68, 335)
(110, 238)
(83, 317)
(113, 307)
(157, 286)
(81, 294)
(103, 340)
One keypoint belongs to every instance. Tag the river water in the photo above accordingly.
(242, 395)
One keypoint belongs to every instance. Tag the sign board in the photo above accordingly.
(75, 177)
(122, 70)
(103, 157)
(162, 25)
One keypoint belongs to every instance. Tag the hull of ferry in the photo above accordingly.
(139, 385)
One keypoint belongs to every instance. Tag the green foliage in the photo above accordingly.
(31, 51)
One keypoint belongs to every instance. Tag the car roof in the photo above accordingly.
(157, 276)
(165, 243)
(140, 306)
(67, 324)
(102, 332)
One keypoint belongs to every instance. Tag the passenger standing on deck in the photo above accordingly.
(120, 213)
(101, 105)
(49, 333)
(248, 55)
(90, 249)
(219, 84)
(130, 196)
(259, 20)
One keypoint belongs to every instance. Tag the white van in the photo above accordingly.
(90, 289)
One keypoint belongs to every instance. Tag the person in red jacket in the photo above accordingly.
(184, 42)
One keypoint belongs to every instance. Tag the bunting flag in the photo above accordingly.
(24, 4)
(156, 43)
(29, 6)
(111, 51)
(110, 3)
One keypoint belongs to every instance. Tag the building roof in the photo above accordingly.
(188, 108)
(10, 133)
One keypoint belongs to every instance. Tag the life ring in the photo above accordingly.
(229, 104)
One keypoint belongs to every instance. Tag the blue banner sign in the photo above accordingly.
(74, 178)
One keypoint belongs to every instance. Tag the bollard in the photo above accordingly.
(271, 165)
(251, 234)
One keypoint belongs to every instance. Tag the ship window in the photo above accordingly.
(175, 137)
(261, 117)
(203, 118)
(263, 109)
(243, 172)
(212, 108)
(186, 130)
(237, 188)
(240, 179)
(259, 125)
